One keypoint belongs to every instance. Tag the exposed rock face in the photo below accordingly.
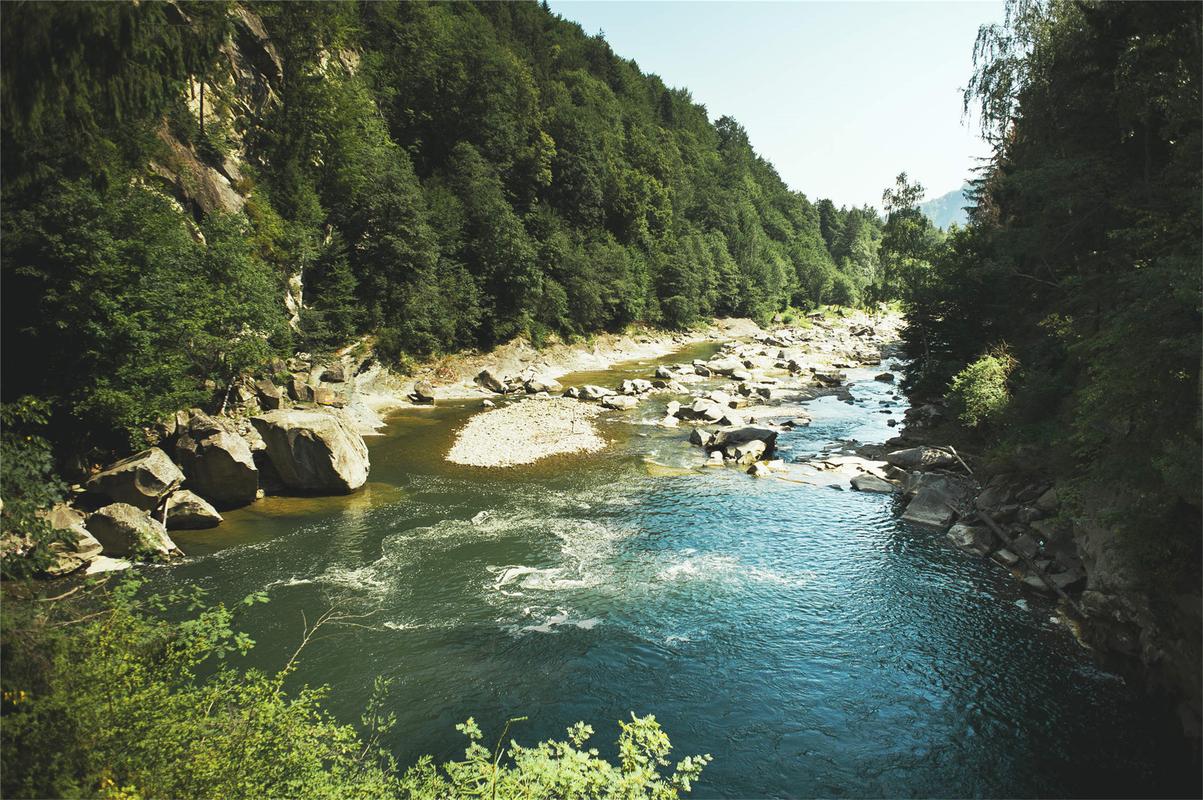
(123, 529)
(218, 463)
(300, 390)
(920, 458)
(188, 511)
(314, 450)
(141, 480)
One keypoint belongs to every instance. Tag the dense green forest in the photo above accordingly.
(1066, 315)
(442, 176)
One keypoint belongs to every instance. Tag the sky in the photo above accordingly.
(840, 97)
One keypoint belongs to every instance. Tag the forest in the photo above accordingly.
(440, 176)
(193, 190)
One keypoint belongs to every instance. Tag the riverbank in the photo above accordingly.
(757, 371)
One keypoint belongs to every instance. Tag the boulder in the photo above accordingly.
(664, 373)
(325, 396)
(700, 437)
(270, 396)
(747, 452)
(218, 462)
(141, 480)
(591, 392)
(885, 377)
(1048, 501)
(869, 482)
(725, 366)
(189, 511)
(672, 408)
(920, 458)
(930, 507)
(727, 440)
(760, 470)
(81, 547)
(314, 450)
(123, 529)
(669, 421)
(299, 389)
(731, 420)
(334, 374)
(423, 393)
(619, 401)
(488, 379)
(487, 404)
(536, 385)
(974, 539)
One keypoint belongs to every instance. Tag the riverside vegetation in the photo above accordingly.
(203, 201)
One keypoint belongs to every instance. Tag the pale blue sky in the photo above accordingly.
(840, 97)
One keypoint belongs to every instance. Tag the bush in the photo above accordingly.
(104, 697)
(980, 390)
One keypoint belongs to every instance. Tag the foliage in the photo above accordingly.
(120, 693)
(1083, 254)
(980, 391)
(29, 485)
(448, 176)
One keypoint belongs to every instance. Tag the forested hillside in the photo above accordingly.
(1067, 314)
(439, 175)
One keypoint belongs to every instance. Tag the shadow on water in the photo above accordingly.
(805, 637)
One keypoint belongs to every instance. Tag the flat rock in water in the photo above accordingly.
(868, 482)
(619, 401)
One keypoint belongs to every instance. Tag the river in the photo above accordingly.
(805, 637)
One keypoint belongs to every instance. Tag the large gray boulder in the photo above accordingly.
(188, 511)
(540, 384)
(920, 458)
(141, 480)
(123, 530)
(270, 395)
(314, 450)
(218, 463)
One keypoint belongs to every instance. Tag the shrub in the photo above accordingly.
(980, 390)
(103, 696)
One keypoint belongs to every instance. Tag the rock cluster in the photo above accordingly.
(302, 442)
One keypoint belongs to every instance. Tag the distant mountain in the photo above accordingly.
(947, 208)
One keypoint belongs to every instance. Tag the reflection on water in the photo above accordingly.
(801, 634)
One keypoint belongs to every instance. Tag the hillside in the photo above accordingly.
(948, 208)
(286, 177)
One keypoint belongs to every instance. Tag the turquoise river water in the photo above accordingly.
(805, 637)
